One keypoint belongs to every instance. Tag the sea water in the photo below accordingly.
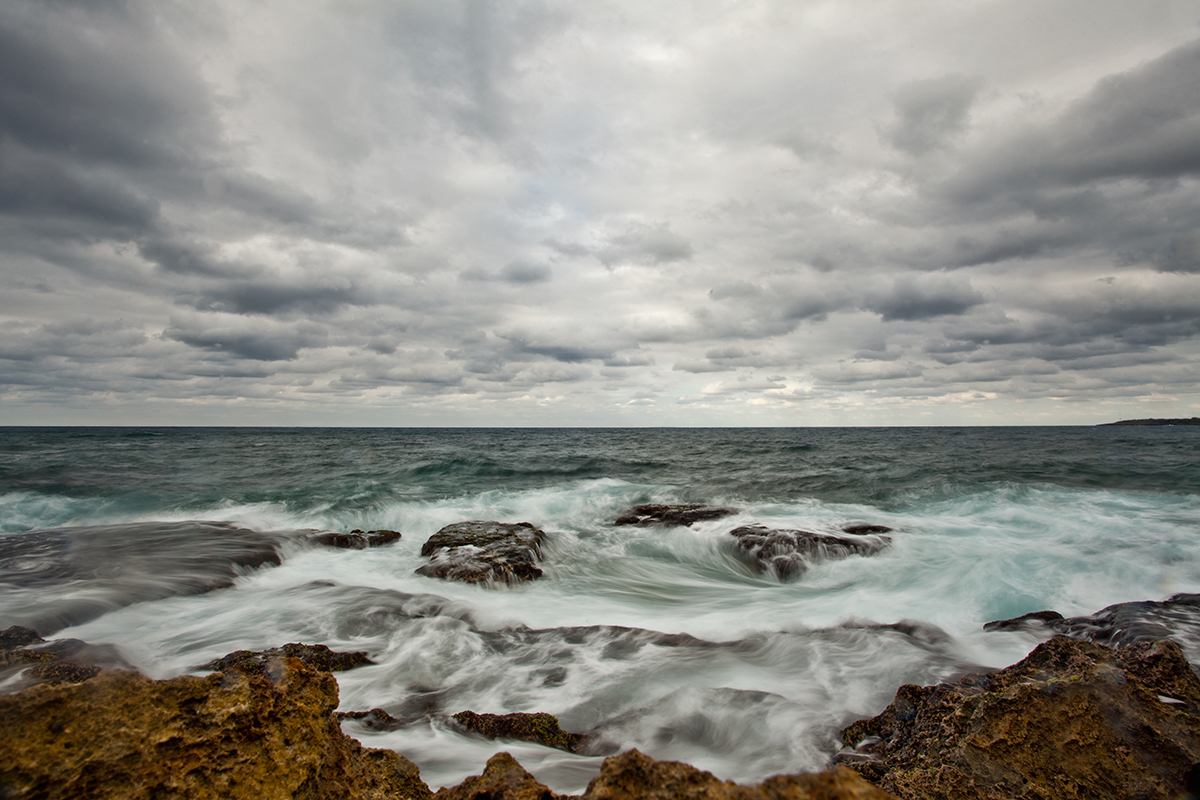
(659, 638)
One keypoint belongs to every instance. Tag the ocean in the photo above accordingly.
(152, 540)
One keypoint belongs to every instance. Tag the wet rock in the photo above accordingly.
(1177, 617)
(233, 735)
(483, 552)
(502, 779)
(56, 661)
(18, 636)
(318, 656)
(672, 514)
(861, 529)
(1032, 620)
(634, 776)
(376, 719)
(1073, 719)
(356, 539)
(539, 728)
(788, 553)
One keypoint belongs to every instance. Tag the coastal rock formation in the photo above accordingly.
(1034, 620)
(374, 720)
(482, 552)
(232, 735)
(317, 656)
(539, 728)
(356, 539)
(27, 659)
(671, 514)
(788, 553)
(859, 529)
(634, 776)
(1073, 719)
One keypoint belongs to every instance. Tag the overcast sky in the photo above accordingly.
(474, 212)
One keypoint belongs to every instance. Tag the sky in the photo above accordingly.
(543, 213)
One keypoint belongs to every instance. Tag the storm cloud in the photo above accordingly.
(455, 212)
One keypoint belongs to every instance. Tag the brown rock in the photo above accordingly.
(671, 514)
(1072, 720)
(539, 728)
(502, 779)
(634, 776)
(27, 659)
(484, 552)
(233, 735)
(318, 656)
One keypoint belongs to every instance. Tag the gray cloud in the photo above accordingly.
(931, 112)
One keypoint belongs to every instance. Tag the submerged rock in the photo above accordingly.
(27, 659)
(788, 553)
(634, 776)
(1073, 719)
(376, 719)
(1033, 620)
(861, 528)
(539, 728)
(318, 656)
(672, 514)
(482, 552)
(356, 539)
(232, 735)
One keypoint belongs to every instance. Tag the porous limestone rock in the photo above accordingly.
(230, 736)
(502, 779)
(634, 776)
(318, 656)
(1073, 719)
(484, 552)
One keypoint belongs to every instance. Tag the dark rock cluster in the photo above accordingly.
(484, 552)
(788, 553)
(671, 514)
(539, 728)
(318, 656)
(356, 539)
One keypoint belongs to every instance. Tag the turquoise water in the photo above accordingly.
(101, 539)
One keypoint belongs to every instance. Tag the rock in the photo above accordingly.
(673, 514)
(788, 553)
(861, 529)
(1034, 619)
(634, 776)
(376, 719)
(232, 735)
(318, 656)
(356, 539)
(539, 728)
(483, 552)
(18, 636)
(27, 659)
(1073, 719)
(502, 779)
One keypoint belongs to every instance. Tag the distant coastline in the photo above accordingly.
(1181, 421)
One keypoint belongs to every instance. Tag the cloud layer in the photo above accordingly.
(544, 213)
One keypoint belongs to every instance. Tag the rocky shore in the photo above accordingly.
(1073, 719)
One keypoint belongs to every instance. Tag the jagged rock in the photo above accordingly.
(482, 552)
(502, 779)
(318, 656)
(1073, 719)
(861, 529)
(1034, 619)
(376, 719)
(672, 514)
(788, 553)
(232, 735)
(356, 539)
(539, 728)
(634, 776)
